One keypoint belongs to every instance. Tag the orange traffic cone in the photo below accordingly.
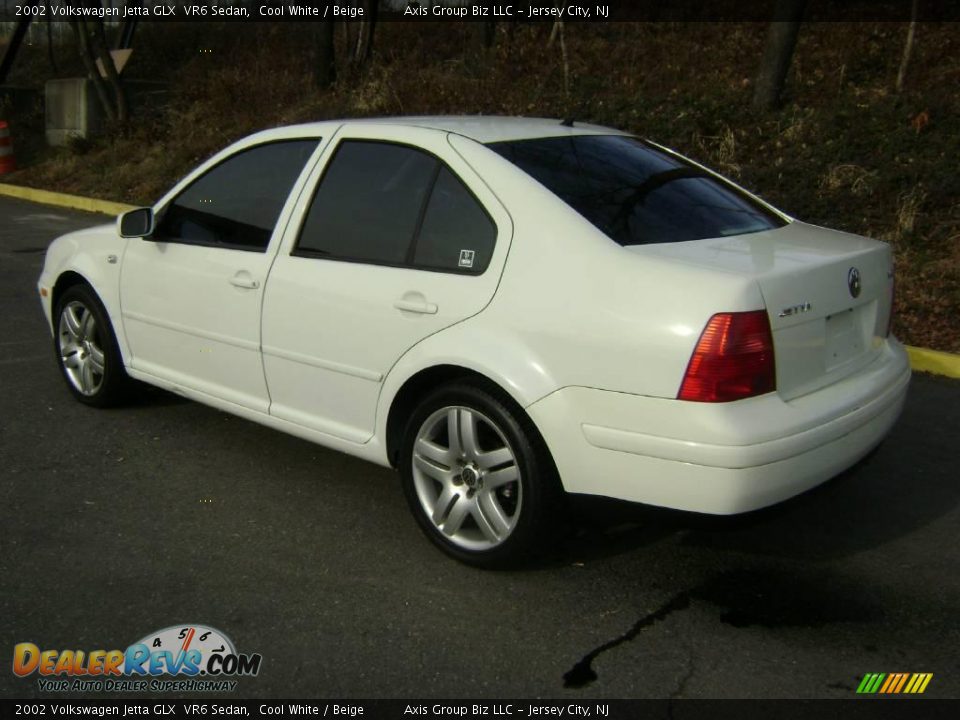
(8, 163)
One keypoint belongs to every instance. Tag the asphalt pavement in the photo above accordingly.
(117, 523)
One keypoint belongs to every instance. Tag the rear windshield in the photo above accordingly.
(635, 193)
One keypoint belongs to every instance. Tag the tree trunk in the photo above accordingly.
(357, 55)
(51, 54)
(489, 33)
(908, 47)
(325, 69)
(83, 41)
(781, 41)
(110, 70)
(371, 27)
(13, 47)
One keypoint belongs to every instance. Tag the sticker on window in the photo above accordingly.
(466, 258)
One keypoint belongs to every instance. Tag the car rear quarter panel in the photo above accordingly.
(576, 309)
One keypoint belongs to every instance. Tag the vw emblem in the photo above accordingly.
(853, 282)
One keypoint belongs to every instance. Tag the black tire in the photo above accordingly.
(109, 384)
(503, 525)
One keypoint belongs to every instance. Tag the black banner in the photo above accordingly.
(481, 10)
(565, 709)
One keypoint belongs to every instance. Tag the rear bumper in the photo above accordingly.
(720, 458)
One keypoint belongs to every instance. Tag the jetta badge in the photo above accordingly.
(853, 282)
(796, 309)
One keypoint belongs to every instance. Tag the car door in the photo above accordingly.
(191, 293)
(395, 239)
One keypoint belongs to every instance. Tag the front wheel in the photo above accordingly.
(478, 478)
(87, 350)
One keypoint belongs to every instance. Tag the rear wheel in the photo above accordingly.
(87, 350)
(478, 478)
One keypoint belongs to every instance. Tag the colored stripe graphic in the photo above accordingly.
(894, 683)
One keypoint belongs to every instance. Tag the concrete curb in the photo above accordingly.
(76, 202)
(934, 361)
(921, 359)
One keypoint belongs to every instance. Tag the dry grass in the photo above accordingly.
(849, 177)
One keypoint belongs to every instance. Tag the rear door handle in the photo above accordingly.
(416, 306)
(243, 280)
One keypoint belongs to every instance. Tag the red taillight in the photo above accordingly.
(733, 359)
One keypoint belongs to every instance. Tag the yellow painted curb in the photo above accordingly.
(76, 202)
(934, 361)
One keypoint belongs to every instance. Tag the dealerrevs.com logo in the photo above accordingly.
(199, 657)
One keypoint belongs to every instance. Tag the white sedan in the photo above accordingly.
(503, 309)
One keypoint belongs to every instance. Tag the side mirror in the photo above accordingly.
(136, 223)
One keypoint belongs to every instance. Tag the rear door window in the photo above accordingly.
(389, 204)
(368, 204)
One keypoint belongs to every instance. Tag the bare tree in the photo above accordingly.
(908, 47)
(83, 35)
(781, 41)
(325, 68)
(102, 52)
(365, 31)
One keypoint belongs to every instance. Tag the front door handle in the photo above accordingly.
(243, 280)
(418, 305)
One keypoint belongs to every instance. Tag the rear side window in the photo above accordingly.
(456, 232)
(236, 203)
(635, 193)
(389, 204)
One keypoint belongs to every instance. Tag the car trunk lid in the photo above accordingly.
(828, 295)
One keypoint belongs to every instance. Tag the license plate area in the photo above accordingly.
(844, 337)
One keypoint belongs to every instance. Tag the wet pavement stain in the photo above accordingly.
(763, 598)
(583, 673)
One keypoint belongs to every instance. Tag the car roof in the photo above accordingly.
(482, 128)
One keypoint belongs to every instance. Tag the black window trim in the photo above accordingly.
(408, 263)
(156, 237)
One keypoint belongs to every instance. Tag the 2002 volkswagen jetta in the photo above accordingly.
(504, 310)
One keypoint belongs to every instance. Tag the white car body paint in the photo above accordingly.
(591, 338)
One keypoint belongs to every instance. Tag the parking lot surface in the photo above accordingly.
(118, 523)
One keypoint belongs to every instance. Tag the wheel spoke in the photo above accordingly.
(453, 430)
(494, 457)
(468, 433)
(96, 359)
(430, 469)
(493, 514)
(72, 321)
(434, 453)
(86, 377)
(89, 326)
(456, 516)
(442, 506)
(500, 477)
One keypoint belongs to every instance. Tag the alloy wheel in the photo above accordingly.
(467, 478)
(81, 351)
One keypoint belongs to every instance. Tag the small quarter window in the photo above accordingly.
(456, 234)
